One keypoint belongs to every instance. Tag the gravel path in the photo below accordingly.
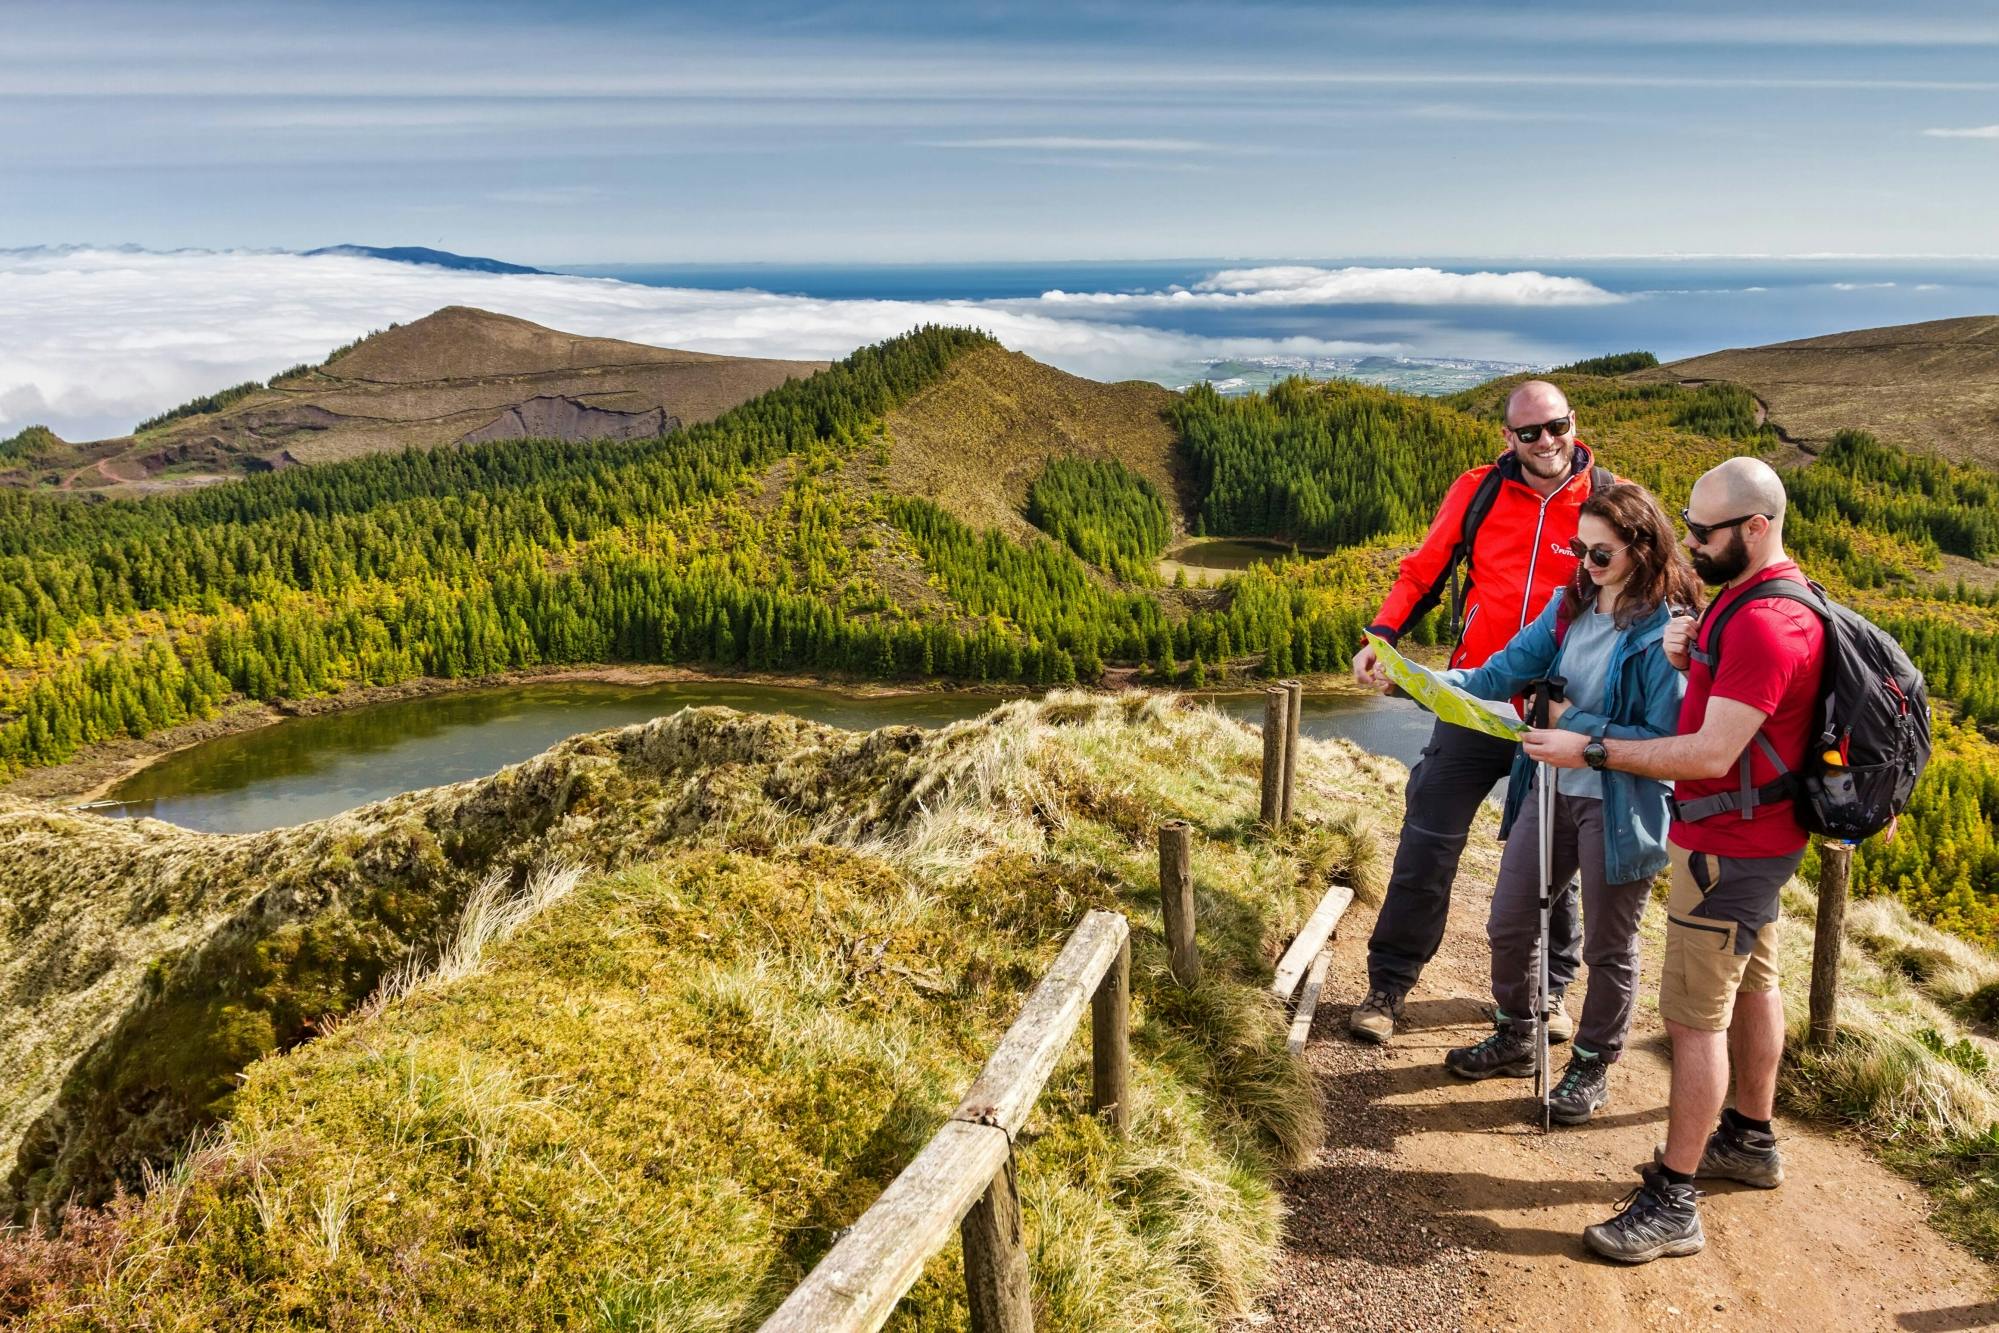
(1436, 1204)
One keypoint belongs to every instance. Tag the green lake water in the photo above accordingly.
(311, 767)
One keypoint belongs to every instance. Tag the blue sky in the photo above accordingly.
(627, 132)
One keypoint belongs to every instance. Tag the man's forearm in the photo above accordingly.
(1670, 758)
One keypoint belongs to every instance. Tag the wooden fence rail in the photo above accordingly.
(965, 1175)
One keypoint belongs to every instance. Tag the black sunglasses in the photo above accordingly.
(1600, 556)
(1702, 532)
(1559, 427)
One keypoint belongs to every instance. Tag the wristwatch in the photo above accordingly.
(1595, 755)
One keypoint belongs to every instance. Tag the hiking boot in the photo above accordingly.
(1560, 1026)
(1583, 1091)
(1736, 1153)
(1657, 1220)
(1374, 1019)
(1507, 1053)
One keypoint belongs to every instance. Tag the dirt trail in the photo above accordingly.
(1437, 1204)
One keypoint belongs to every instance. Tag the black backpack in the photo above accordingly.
(1874, 718)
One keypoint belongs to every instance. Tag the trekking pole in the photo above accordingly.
(1545, 692)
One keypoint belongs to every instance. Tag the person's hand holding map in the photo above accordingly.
(1447, 701)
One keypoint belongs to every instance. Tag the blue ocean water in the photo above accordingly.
(1674, 308)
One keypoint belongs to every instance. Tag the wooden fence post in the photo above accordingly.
(1110, 1043)
(1176, 899)
(1276, 707)
(1835, 869)
(996, 1282)
(1294, 705)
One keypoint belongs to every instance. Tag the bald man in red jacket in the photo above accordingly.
(1515, 560)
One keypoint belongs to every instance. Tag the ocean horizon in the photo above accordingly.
(196, 321)
(1672, 307)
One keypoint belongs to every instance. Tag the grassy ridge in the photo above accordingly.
(656, 1103)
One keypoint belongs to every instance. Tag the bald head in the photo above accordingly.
(1534, 402)
(1737, 521)
(1739, 486)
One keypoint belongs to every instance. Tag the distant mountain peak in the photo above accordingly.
(417, 254)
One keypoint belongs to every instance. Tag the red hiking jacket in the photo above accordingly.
(1519, 557)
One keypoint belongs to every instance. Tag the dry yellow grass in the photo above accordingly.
(975, 441)
(1931, 387)
(650, 1099)
(426, 383)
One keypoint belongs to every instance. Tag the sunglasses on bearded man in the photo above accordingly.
(1703, 532)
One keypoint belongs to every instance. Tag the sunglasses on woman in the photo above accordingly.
(1559, 427)
(1600, 556)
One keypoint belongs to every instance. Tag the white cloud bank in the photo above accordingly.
(1974, 132)
(1302, 285)
(94, 340)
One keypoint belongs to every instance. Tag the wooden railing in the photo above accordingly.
(965, 1175)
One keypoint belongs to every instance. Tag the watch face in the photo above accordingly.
(1595, 755)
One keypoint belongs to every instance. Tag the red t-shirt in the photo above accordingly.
(1771, 659)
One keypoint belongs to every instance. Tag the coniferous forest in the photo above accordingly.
(120, 618)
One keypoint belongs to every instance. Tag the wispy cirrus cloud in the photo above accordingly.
(1076, 143)
(551, 196)
(1972, 132)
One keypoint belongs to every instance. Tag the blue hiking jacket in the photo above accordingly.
(1641, 702)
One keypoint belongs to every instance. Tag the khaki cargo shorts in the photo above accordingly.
(1721, 933)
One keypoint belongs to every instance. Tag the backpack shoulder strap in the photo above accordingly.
(1747, 797)
(1601, 478)
(1476, 509)
(1789, 590)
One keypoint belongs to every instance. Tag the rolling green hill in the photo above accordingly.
(879, 519)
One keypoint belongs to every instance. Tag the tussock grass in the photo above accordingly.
(650, 1098)
(1910, 1071)
(491, 913)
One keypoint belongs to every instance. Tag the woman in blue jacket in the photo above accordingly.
(1601, 634)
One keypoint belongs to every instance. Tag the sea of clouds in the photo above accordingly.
(93, 340)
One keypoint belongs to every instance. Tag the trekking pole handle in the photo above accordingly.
(1547, 690)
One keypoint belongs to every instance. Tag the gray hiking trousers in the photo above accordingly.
(1610, 922)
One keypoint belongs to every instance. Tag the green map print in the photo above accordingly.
(1448, 702)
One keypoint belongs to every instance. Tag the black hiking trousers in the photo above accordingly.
(1459, 766)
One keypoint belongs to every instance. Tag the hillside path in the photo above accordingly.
(1437, 1204)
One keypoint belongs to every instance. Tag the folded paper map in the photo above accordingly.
(1447, 701)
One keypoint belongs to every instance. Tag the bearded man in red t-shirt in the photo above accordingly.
(1734, 842)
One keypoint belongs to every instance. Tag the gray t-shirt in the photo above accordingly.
(1585, 666)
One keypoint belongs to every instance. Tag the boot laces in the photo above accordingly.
(1573, 1077)
(1635, 1210)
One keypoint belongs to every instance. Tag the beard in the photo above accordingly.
(1557, 465)
(1724, 565)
